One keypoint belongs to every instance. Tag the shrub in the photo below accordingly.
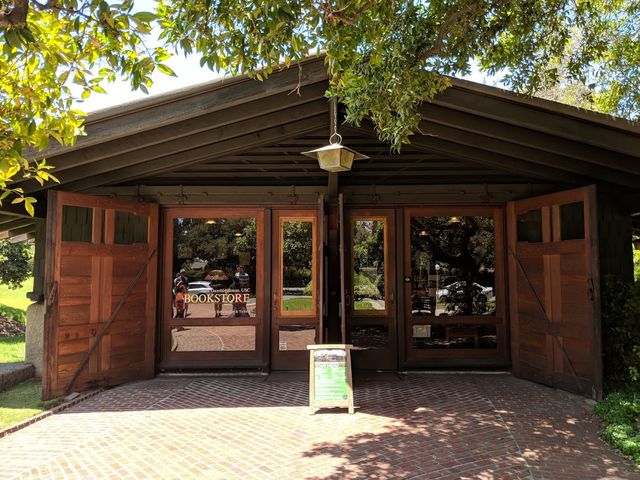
(620, 331)
(364, 287)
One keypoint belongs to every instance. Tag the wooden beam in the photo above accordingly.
(224, 147)
(150, 114)
(533, 156)
(530, 138)
(189, 130)
(17, 224)
(22, 230)
(195, 143)
(494, 160)
(529, 117)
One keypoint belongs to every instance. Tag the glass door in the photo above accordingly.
(370, 298)
(295, 295)
(213, 309)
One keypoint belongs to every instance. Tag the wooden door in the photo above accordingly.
(554, 290)
(101, 277)
(296, 292)
(370, 296)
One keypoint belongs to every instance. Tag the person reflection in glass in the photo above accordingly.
(219, 281)
(241, 284)
(179, 301)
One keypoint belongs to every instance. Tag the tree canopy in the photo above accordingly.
(383, 58)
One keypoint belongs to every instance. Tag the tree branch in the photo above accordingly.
(15, 17)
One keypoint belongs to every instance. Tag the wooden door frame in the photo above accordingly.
(390, 316)
(204, 360)
(464, 358)
(294, 359)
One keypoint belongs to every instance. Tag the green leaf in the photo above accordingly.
(166, 70)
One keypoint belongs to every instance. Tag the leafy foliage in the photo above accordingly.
(621, 412)
(383, 58)
(46, 47)
(621, 331)
(16, 263)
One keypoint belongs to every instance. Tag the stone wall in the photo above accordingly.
(35, 336)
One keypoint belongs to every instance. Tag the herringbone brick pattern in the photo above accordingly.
(422, 426)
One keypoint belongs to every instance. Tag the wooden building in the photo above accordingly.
(189, 233)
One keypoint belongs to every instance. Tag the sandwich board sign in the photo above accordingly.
(330, 380)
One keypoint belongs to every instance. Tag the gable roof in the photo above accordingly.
(252, 133)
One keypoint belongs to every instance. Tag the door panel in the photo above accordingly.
(554, 300)
(296, 293)
(370, 299)
(101, 283)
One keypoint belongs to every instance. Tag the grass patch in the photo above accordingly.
(19, 403)
(298, 304)
(12, 349)
(362, 305)
(621, 412)
(16, 298)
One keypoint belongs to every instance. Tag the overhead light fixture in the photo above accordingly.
(424, 233)
(453, 220)
(211, 221)
(335, 157)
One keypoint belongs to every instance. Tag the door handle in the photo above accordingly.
(392, 297)
(347, 299)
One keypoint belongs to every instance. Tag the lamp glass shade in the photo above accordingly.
(335, 157)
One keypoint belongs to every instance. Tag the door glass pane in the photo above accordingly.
(130, 228)
(367, 250)
(77, 224)
(572, 221)
(529, 226)
(454, 336)
(214, 265)
(452, 265)
(370, 337)
(297, 267)
(213, 338)
(296, 337)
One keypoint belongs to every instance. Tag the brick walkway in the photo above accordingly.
(425, 426)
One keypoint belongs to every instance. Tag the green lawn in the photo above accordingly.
(363, 305)
(19, 403)
(16, 298)
(621, 412)
(298, 304)
(12, 349)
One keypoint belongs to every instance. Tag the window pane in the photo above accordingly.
(572, 221)
(297, 266)
(452, 266)
(130, 228)
(368, 265)
(530, 226)
(77, 224)
(454, 336)
(213, 339)
(296, 337)
(371, 337)
(214, 262)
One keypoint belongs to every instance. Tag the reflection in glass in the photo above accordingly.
(529, 226)
(452, 266)
(296, 337)
(370, 337)
(214, 262)
(213, 338)
(454, 336)
(297, 266)
(368, 265)
(77, 224)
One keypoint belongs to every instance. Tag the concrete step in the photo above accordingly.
(13, 373)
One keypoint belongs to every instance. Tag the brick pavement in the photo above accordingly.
(423, 426)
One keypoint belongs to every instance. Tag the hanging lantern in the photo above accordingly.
(335, 157)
